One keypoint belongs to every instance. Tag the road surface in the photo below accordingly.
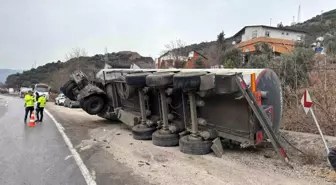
(33, 156)
(40, 156)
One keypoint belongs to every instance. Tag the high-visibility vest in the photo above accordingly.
(29, 100)
(42, 100)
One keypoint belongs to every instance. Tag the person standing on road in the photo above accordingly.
(37, 96)
(42, 100)
(29, 104)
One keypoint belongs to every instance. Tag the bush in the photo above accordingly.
(199, 64)
(232, 58)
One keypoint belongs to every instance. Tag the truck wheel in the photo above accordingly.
(188, 80)
(195, 147)
(69, 86)
(165, 139)
(93, 104)
(332, 158)
(81, 104)
(160, 79)
(142, 132)
(136, 79)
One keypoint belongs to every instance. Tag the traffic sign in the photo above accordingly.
(306, 101)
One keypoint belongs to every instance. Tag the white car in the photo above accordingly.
(60, 99)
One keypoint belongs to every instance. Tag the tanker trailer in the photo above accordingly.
(185, 107)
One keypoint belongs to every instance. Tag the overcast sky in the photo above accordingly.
(43, 31)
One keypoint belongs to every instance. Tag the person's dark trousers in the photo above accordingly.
(40, 114)
(28, 110)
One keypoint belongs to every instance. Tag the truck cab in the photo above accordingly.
(42, 89)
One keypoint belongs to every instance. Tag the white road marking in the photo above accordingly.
(67, 157)
(85, 172)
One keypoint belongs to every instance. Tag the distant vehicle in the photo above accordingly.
(42, 89)
(24, 90)
(59, 100)
(71, 104)
(3, 90)
(11, 90)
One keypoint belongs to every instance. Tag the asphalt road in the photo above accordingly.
(33, 155)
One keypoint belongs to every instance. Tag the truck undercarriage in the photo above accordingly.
(185, 107)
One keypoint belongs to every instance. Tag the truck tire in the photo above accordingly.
(141, 132)
(332, 158)
(93, 104)
(160, 79)
(81, 104)
(69, 86)
(194, 147)
(165, 140)
(188, 80)
(136, 79)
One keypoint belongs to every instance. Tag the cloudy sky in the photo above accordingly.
(43, 31)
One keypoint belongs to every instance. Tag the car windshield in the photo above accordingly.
(42, 89)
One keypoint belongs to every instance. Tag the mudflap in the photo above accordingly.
(332, 157)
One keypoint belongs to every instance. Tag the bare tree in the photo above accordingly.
(59, 78)
(218, 49)
(76, 53)
(175, 52)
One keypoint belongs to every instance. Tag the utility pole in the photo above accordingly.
(321, 15)
(270, 21)
(299, 14)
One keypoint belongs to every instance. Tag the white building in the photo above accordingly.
(252, 32)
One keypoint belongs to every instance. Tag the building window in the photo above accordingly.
(254, 34)
(267, 34)
(287, 33)
(283, 33)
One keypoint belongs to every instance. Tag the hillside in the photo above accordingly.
(6, 72)
(315, 27)
(320, 25)
(57, 73)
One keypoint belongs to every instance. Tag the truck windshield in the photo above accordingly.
(41, 89)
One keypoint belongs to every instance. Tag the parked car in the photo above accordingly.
(71, 104)
(60, 99)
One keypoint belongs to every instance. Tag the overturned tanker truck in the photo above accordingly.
(185, 107)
